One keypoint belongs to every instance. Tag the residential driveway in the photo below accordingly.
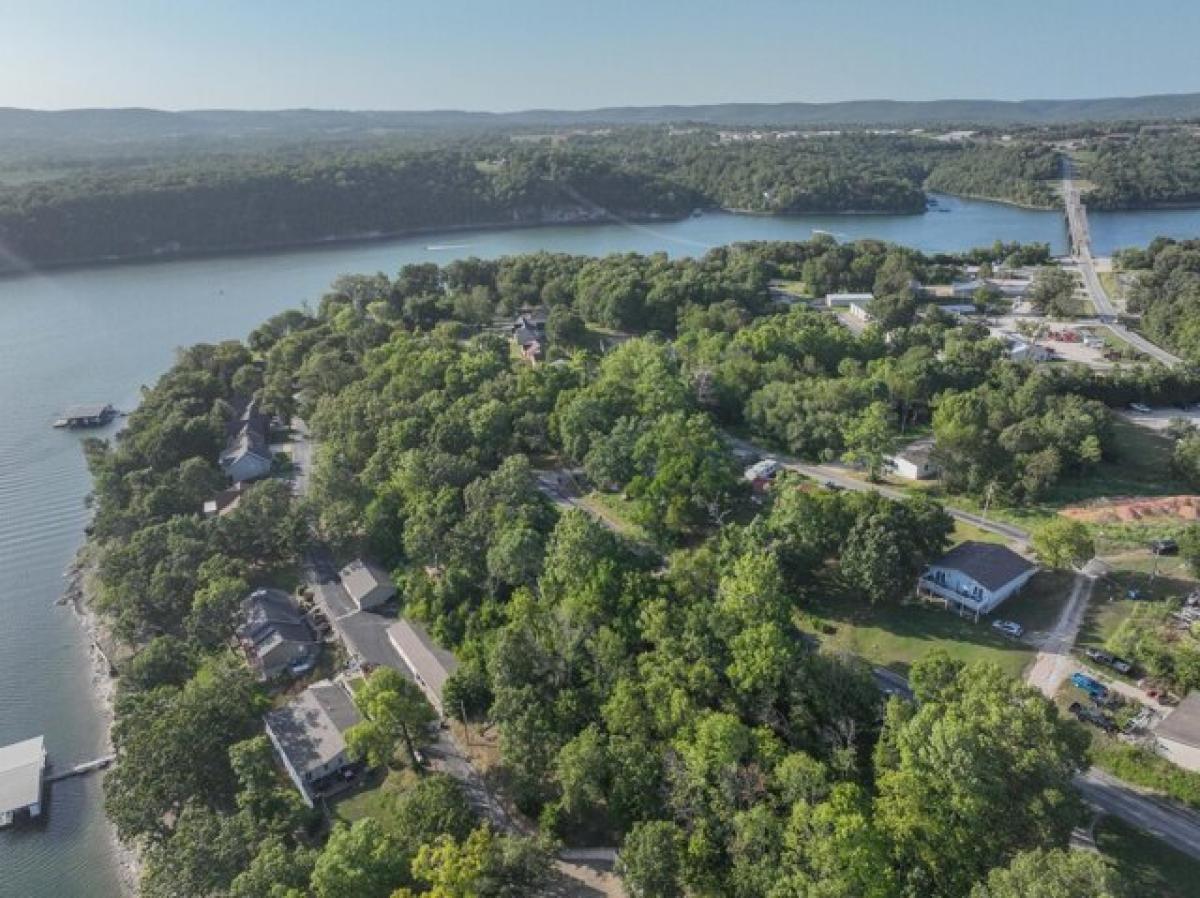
(841, 476)
(1177, 826)
(1054, 662)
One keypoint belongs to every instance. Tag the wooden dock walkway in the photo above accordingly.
(80, 769)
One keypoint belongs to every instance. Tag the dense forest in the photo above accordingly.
(651, 690)
(1151, 170)
(1166, 290)
(76, 212)
(1016, 173)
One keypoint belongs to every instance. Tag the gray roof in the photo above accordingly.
(990, 565)
(916, 452)
(311, 728)
(93, 410)
(1183, 724)
(431, 664)
(21, 774)
(270, 616)
(360, 577)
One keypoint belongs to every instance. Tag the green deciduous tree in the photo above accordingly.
(1063, 543)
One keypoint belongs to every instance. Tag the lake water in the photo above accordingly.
(100, 334)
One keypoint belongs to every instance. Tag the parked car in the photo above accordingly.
(1092, 687)
(1092, 716)
(1009, 628)
(1140, 408)
(1099, 655)
(1164, 547)
(830, 485)
(1120, 665)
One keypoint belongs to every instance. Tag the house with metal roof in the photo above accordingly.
(367, 584)
(309, 736)
(976, 577)
(22, 767)
(275, 634)
(430, 665)
(1178, 735)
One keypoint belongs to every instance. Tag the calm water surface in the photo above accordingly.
(99, 335)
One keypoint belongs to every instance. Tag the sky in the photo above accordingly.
(575, 54)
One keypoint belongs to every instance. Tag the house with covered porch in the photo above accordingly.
(976, 577)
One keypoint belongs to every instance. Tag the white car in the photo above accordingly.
(1009, 628)
(1140, 407)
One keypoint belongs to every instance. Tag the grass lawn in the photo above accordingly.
(1039, 605)
(1152, 867)
(376, 799)
(894, 636)
(964, 531)
(1140, 466)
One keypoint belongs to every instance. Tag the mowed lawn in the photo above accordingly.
(894, 636)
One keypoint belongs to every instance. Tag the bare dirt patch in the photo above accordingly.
(1131, 510)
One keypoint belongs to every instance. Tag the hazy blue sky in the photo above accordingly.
(515, 54)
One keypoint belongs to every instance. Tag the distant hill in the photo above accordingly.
(101, 126)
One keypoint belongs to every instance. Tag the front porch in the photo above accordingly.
(964, 604)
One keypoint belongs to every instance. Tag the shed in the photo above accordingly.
(976, 577)
(915, 461)
(1178, 734)
(430, 665)
(368, 584)
(22, 766)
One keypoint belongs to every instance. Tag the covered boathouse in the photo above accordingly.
(22, 768)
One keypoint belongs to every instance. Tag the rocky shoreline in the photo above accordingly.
(79, 594)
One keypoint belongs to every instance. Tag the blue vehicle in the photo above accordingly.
(1094, 688)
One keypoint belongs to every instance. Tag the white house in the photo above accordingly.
(367, 584)
(22, 766)
(833, 300)
(976, 577)
(1178, 734)
(308, 734)
(914, 461)
(247, 454)
(1020, 351)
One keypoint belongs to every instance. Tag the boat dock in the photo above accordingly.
(80, 769)
(94, 415)
(22, 767)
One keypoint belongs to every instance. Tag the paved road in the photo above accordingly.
(1054, 662)
(840, 476)
(1081, 247)
(1178, 827)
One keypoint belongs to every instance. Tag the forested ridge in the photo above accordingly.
(76, 212)
(651, 691)
(1148, 171)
